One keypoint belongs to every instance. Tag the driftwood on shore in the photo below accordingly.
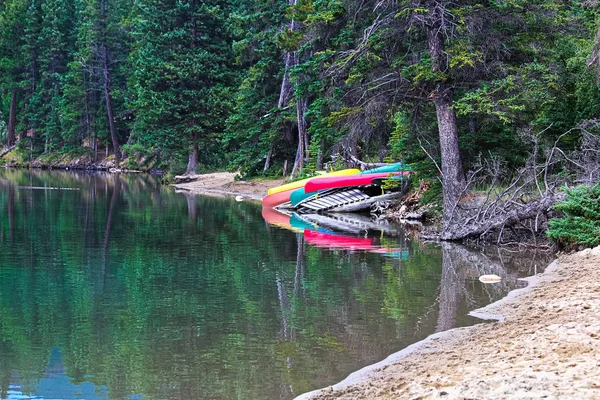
(525, 203)
(186, 178)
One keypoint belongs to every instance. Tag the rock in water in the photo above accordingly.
(490, 278)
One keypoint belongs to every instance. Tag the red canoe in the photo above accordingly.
(275, 199)
(317, 184)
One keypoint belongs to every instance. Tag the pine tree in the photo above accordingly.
(11, 60)
(184, 76)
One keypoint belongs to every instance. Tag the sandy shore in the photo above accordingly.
(547, 345)
(224, 184)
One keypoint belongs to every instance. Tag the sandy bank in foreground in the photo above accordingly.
(224, 184)
(546, 346)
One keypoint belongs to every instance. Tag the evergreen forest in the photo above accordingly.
(251, 84)
(266, 87)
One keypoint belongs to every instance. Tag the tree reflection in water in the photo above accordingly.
(152, 293)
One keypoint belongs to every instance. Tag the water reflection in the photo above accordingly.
(55, 385)
(147, 293)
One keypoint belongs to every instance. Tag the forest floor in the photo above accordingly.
(224, 184)
(547, 345)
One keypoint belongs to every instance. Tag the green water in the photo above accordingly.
(122, 289)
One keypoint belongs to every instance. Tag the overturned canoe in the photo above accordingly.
(397, 167)
(275, 199)
(301, 183)
(316, 184)
(300, 195)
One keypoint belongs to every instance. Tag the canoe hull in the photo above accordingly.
(299, 184)
(275, 199)
(317, 184)
(397, 167)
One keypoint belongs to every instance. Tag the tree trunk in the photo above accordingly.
(194, 150)
(268, 159)
(320, 155)
(107, 87)
(301, 152)
(454, 179)
(442, 96)
(285, 91)
(12, 119)
(193, 157)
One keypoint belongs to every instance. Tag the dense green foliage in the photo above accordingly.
(252, 84)
(580, 225)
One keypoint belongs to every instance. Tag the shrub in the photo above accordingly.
(580, 225)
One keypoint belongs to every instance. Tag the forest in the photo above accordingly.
(482, 94)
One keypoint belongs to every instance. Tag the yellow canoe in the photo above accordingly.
(299, 184)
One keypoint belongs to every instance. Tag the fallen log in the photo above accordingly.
(480, 227)
(6, 151)
(186, 178)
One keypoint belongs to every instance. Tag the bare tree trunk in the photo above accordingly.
(107, 87)
(268, 160)
(194, 150)
(12, 119)
(442, 95)
(193, 157)
(301, 152)
(320, 155)
(285, 91)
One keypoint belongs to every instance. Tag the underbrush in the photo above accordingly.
(580, 225)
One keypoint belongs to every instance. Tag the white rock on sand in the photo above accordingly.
(546, 346)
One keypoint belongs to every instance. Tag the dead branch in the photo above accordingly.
(526, 202)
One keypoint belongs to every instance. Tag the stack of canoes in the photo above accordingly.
(335, 191)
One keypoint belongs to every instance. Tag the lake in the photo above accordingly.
(114, 287)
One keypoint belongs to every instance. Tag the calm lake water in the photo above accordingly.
(123, 289)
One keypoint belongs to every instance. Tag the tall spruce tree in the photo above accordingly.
(184, 76)
(11, 60)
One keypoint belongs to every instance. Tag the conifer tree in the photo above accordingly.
(184, 76)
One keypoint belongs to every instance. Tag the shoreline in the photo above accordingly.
(545, 342)
(223, 184)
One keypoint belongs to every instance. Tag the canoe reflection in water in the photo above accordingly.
(339, 231)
